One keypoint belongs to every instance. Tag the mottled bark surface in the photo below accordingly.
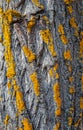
(45, 91)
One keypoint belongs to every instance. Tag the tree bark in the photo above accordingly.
(41, 65)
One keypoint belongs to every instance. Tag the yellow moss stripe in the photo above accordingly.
(36, 84)
(28, 53)
(70, 120)
(67, 55)
(31, 24)
(38, 4)
(26, 124)
(61, 29)
(57, 126)
(68, 1)
(70, 9)
(47, 38)
(71, 90)
(81, 103)
(57, 99)
(6, 119)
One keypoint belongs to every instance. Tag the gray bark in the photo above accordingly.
(40, 110)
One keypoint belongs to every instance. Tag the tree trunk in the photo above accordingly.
(41, 65)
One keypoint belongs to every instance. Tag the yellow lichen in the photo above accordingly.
(6, 119)
(70, 9)
(68, 1)
(57, 76)
(58, 112)
(61, 29)
(81, 48)
(57, 126)
(51, 72)
(77, 123)
(47, 38)
(9, 84)
(70, 120)
(26, 124)
(64, 39)
(72, 90)
(82, 82)
(56, 67)
(70, 68)
(36, 84)
(20, 129)
(81, 103)
(38, 4)
(8, 1)
(67, 55)
(71, 79)
(28, 53)
(45, 18)
(71, 110)
(73, 23)
(19, 101)
(31, 24)
(57, 99)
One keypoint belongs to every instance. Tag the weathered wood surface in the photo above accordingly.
(45, 49)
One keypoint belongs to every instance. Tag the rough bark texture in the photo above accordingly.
(46, 90)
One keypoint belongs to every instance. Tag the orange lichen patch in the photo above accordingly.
(77, 123)
(26, 124)
(70, 120)
(73, 23)
(38, 4)
(36, 84)
(58, 112)
(45, 18)
(61, 29)
(71, 90)
(67, 55)
(47, 38)
(19, 101)
(68, 1)
(28, 53)
(71, 79)
(64, 39)
(6, 119)
(57, 126)
(81, 102)
(70, 9)
(31, 24)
